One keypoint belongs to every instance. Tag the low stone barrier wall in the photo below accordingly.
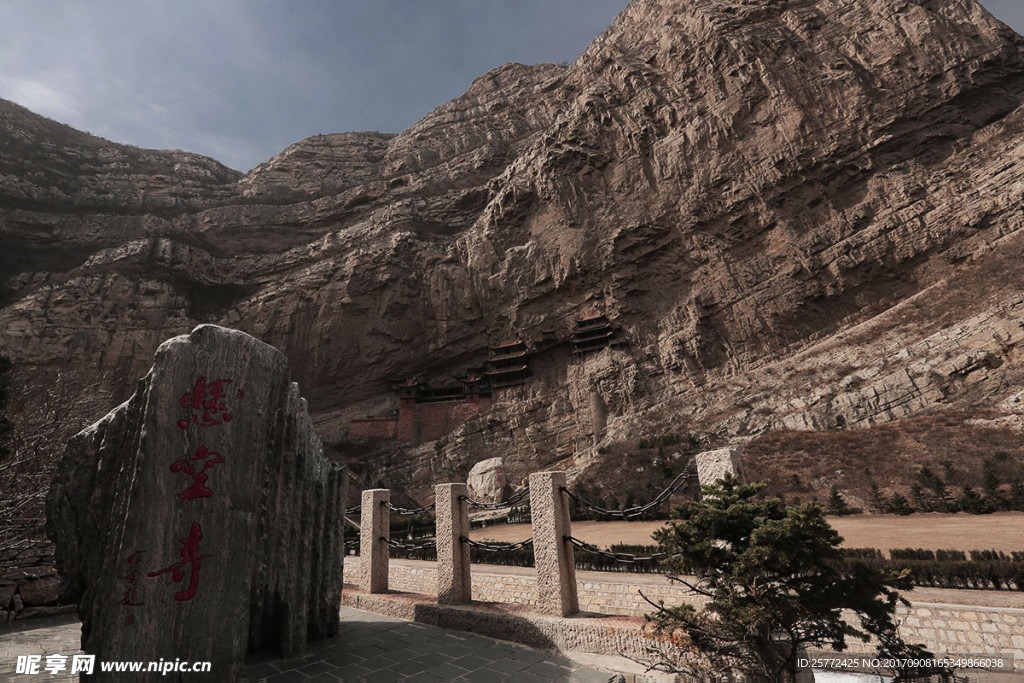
(593, 635)
(495, 583)
(29, 585)
(613, 642)
(961, 630)
(956, 630)
(24, 597)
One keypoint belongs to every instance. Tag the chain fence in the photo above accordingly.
(494, 547)
(623, 558)
(408, 511)
(409, 547)
(520, 553)
(636, 510)
(511, 502)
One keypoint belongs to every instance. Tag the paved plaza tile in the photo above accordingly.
(59, 635)
(369, 648)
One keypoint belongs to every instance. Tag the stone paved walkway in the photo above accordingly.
(44, 636)
(369, 648)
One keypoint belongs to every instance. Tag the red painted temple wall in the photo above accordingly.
(419, 422)
(374, 428)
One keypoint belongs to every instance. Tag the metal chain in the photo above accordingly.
(496, 547)
(408, 511)
(409, 546)
(511, 502)
(636, 510)
(624, 558)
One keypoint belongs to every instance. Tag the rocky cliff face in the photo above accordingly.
(804, 214)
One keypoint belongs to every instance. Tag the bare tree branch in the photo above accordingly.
(45, 410)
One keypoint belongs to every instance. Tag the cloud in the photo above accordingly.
(40, 97)
(240, 80)
(1010, 12)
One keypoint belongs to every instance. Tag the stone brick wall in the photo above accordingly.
(943, 628)
(420, 422)
(373, 428)
(960, 630)
(491, 584)
(31, 590)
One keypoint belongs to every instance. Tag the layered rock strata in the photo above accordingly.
(802, 214)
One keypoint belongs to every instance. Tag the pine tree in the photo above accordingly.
(836, 503)
(629, 502)
(898, 504)
(1016, 501)
(772, 583)
(990, 485)
(971, 501)
(876, 500)
(917, 496)
(934, 482)
(951, 473)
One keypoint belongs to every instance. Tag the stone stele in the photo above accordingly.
(487, 480)
(199, 520)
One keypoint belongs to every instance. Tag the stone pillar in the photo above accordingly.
(374, 523)
(598, 415)
(453, 577)
(712, 465)
(553, 555)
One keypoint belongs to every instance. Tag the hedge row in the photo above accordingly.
(524, 558)
(984, 569)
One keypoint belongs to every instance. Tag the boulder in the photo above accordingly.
(202, 510)
(487, 480)
(40, 591)
(713, 465)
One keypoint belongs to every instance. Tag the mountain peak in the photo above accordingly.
(798, 214)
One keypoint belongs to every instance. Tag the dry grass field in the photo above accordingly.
(1000, 531)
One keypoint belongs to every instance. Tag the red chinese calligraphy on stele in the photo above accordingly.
(131, 595)
(198, 489)
(189, 555)
(205, 403)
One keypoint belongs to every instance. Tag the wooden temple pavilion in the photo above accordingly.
(596, 332)
(506, 364)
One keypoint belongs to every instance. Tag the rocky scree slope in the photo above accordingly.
(805, 214)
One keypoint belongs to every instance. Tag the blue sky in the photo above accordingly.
(240, 80)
